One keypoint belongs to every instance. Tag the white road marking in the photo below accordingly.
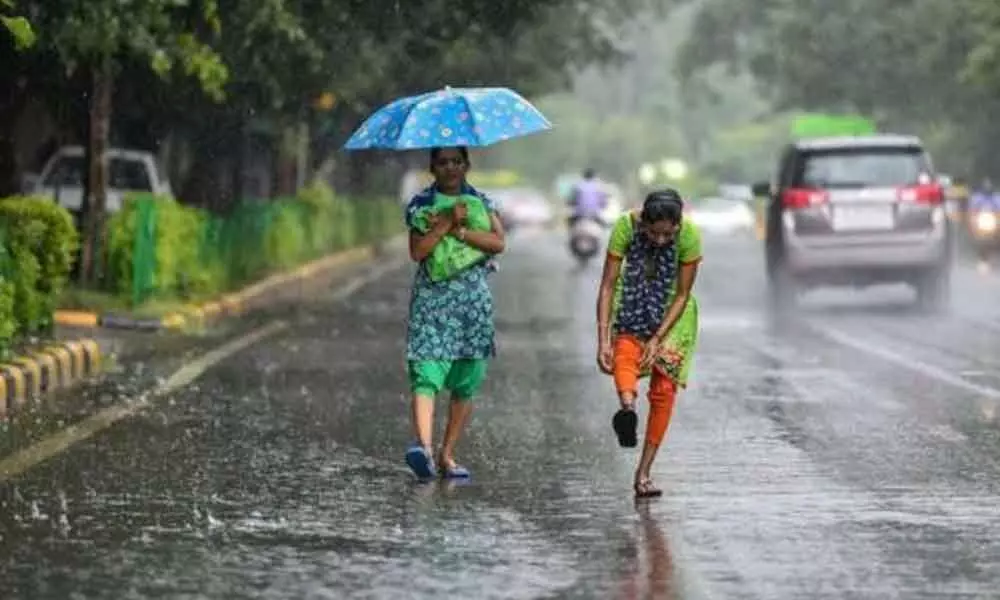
(909, 363)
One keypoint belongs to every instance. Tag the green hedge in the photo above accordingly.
(38, 244)
(159, 248)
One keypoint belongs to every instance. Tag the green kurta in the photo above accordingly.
(678, 346)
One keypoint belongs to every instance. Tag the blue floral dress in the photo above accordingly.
(451, 319)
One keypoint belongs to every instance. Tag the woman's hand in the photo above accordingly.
(459, 213)
(441, 221)
(421, 245)
(605, 356)
(649, 351)
(491, 242)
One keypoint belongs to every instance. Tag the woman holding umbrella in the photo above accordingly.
(454, 232)
(450, 336)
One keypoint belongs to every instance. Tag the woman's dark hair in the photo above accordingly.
(435, 152)
(662, 205)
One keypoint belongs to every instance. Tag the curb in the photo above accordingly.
(229, 305)
(57, 366)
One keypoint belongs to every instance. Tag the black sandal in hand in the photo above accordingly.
(626, 425)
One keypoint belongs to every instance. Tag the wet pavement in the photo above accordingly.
(851, 451)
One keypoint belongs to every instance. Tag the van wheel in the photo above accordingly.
(783, 291)
(934, 290)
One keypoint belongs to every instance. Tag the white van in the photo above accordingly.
(62, 179)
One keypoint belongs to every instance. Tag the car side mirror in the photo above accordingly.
(761, 189)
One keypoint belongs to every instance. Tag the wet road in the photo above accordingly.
(852, 452)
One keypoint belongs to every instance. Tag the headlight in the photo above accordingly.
(986, 222)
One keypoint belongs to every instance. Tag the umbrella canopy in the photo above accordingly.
(447, 118)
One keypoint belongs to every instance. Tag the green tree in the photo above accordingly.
(95, 36)
(917, 66)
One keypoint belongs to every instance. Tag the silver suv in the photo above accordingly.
(857, 211)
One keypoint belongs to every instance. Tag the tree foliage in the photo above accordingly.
(162, 32)
(922, 66)
(628, 113)
(263, 64)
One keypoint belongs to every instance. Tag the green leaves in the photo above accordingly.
(18, 27)
(202, 62)
(161, 31)
(926, 66)
(41, 242)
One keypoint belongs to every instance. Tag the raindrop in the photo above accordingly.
(213, 523)
(64, 526)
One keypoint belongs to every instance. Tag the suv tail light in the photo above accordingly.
(930, 193)
(795, 198)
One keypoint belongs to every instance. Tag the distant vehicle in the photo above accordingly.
(857, 211)
(734, 191)
(720, 216)
(62, 178)
(563, 187)
(956, 196)
(521, 207)
(586, 237)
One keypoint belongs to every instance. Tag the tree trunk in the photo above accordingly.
(302, 154)
(239, 174)
(95, 200)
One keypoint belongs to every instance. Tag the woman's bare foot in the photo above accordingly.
(450, 469)
(644, 488)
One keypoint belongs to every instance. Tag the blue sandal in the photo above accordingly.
(454, 471)
(420, 462)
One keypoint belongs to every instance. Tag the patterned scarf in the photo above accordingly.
(647, 279)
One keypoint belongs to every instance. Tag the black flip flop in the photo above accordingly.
(626, 425)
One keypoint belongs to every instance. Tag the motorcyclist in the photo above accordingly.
(588, 199)
(985, 200)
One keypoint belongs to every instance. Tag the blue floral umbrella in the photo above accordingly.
(448, 118)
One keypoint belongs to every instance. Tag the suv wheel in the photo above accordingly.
(934, 289)
(782, 290)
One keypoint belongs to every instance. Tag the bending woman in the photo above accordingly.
(450, 335)
(647, 318)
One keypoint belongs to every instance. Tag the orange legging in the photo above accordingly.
(662, 389)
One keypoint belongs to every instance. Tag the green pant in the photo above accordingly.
(464, 377)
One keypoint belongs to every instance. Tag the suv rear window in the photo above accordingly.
(863, 167)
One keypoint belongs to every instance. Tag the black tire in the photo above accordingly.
(782, 290)
(584, 253)
(934, 290)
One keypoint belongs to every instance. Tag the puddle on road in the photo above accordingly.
(309, 529)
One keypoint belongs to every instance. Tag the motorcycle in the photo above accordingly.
(586, 235)
(984, 229)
